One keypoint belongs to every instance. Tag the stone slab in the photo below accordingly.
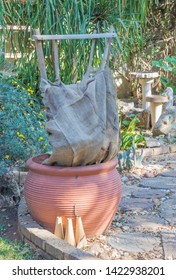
(169, 173)
(159, 182)
(150, 143)
(136, 204)
(148, 193)
(168, 210)
(172, 148)
(135, 242)
(147, 222)
(160, 150)
(169, 246)
(127, 190)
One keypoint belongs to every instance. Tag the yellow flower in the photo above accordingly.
(30, 90)
(40, 138)
(20, 135)
(40, 114)
(7, 156)
(31, 102)
(42, 126)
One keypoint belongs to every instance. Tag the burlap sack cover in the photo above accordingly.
(82, 120)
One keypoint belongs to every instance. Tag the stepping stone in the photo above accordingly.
(169, 173)
(160, 182)
(168, 210)
(146, 222)
(150, 143)
(169, 245)
(135, 242)
(136, 204)
(127, 190)
(148, 193)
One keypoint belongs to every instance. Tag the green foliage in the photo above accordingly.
(130, 133)
(167, 66)
(2, 228)
(131, 139)
(63, 17)
(15, 251)
(22, 132)
(129, 158)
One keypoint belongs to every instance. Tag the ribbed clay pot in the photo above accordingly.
(92, 192)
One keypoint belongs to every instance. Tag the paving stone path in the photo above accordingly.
(145, 224)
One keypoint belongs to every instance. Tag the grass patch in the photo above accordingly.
(2, 228)
(15, 251)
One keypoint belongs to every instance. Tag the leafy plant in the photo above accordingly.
(130, 133)
(131, 139)
(22, 132)
(129, 158)
(168, 71)
(62, 17)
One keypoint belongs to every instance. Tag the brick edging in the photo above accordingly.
(156, 151)
(50, 245)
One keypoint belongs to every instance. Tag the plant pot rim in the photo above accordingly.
(35, 164)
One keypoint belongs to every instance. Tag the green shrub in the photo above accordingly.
(22, 132)
(63, 17)
(130, 134)
(131, 139)
(168, 71)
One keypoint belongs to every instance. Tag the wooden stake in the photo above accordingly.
(107, 51)
(40, 55)
(80, 234)
(55, 59)
(69, 233)
(59, 232)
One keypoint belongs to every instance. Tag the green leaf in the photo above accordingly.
(167, 67)
(171, 59)
(164, 80)
(157, 63)
(125, 122)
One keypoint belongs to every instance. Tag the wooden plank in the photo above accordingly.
(40, 55)
(91, 56)
(106, 51)
(15, 27)
(73, 36)
(55, 59)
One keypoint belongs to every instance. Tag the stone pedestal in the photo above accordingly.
(145, 79)
(156, 106)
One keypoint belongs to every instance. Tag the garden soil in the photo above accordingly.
(9, 223)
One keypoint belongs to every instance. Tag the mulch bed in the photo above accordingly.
(9, 223)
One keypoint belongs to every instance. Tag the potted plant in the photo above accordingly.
(80, 177)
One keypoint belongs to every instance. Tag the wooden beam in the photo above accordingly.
(40, 55)
(73, 36)
(15, 27)
(107, 51)
(55, 59)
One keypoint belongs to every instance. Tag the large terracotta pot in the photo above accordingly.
(92, 192)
